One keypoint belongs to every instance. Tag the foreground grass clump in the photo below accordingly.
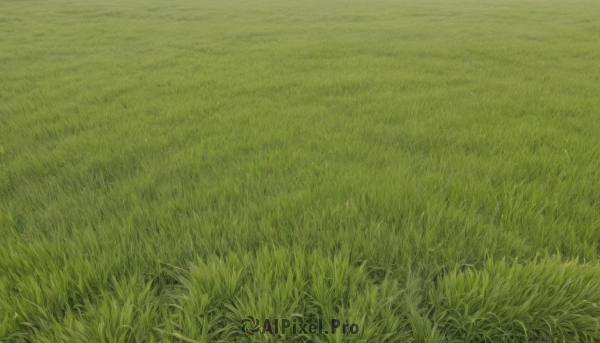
(428, 170)
(543, 300)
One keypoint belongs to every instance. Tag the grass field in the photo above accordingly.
(428, 170)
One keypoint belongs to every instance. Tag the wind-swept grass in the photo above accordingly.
(429, 170)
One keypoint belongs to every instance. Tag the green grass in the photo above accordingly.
(429, 170)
